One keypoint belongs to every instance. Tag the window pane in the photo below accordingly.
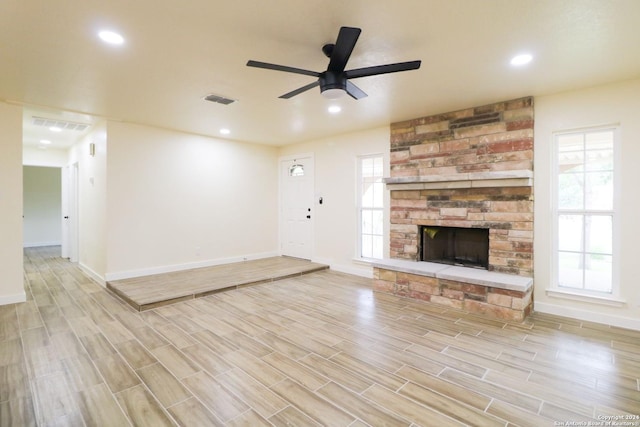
(598, 230)
(367, 246)
(598, 273)
(377, 222)
(571, 142)
(570, 191)
(296, 170)
(571, 162)
(368, 195)
(570, 270)
(377, 247)
(599, 190)
(570, 153)
(367, 168)
(367, 221)
(570, 233)
(599, 160)
(378, 194)
(599, 151)
(377, 166)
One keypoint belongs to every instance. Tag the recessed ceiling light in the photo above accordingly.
(334, 109)
(225, 131)
(111, 37)
(55, 129)
(45, 141)
(522, 59)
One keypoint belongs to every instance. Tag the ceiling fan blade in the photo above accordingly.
(300, 90)
(347, 38)
(382, 69)
(354, 91)
(276, 67)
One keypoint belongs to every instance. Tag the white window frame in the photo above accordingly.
(360, 208)
(555, 289)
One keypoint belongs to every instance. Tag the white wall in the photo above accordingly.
(179, 201)
(615, 103)
(335, 222)
(42, 194)
(92, 201)
(11, 281)
(33, 156)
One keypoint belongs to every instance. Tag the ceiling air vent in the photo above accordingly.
(62, 124)
(219, 99)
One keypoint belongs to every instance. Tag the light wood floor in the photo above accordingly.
(318, 349)
(144, 293)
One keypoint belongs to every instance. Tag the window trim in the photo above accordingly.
(584, 294)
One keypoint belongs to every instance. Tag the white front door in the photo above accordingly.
(296, 209)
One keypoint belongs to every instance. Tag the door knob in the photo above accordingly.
(66, 217)
(308, 216)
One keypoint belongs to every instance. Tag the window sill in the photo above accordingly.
(596, 299)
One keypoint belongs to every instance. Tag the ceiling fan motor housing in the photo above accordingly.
(332, 80)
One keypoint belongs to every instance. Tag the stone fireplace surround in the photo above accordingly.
(468, 168)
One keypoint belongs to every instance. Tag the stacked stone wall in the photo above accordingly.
(491, 138)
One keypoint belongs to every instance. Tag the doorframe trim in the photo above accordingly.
(280, 198)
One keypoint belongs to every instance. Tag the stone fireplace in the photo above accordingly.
(468, 169)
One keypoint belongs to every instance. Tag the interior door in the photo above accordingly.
(296, 210)
(64, 248)
(69, 248)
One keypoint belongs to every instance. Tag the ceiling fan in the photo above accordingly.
(334, 82)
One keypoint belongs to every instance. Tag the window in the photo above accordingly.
(585, 213)
(296, 170)
(371, 206)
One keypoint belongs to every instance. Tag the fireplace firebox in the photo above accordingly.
(468, 247)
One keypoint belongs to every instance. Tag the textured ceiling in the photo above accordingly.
(178, 52)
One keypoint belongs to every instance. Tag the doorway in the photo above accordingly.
(41, 190)
(296, 206)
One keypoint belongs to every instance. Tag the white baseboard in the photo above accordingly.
(40, 244)
(357, 269)
(586, 315)
(95, 276)
(120, 275)
(13, 299)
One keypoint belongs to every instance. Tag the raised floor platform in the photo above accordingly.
(144, 293)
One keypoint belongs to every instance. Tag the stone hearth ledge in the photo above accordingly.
(472, 276)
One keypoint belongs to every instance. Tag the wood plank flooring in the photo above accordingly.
(144, 293)
(318, 349)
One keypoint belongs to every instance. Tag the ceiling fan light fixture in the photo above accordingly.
(333, 85)
(333, 93)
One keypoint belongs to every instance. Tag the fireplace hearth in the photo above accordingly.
(466, 247)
